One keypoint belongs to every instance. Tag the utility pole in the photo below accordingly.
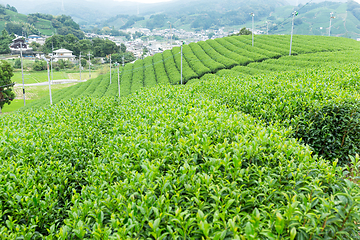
(123, 60)
(170, 33)
(181, 73)
(80, 65)
(118, 66)
(52, 76)
(252, 15)
(22, 71)
(331, 17)
(110, 69)
(89, 65)
(48, 69)
(295, 13)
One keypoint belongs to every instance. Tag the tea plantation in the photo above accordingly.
(251, 152)
(215, 56)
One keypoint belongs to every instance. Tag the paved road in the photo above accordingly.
(62, 81)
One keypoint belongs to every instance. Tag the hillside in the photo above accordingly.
(37, 23)
(211, 15)
(200, 59)
(269, 156)
(314, 19)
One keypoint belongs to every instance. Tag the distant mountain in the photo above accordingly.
(90, 12)
(112, 15)
(297, 2)
(314, 19)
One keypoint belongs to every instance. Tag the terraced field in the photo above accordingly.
(268, 154)
(212, 56)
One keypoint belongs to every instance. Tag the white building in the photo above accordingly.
(37, 39)
(63, 54)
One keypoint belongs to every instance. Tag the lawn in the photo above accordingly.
(32, 93)
(42, 76)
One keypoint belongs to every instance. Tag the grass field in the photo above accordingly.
(42, 76)
(32, 94)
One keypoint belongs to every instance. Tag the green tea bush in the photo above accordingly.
(220, 55)
(160, 72)
(138, 76)
(149, 72)
(188, 72)
(165, 163)
(226, 61)
(321, 105)
(170, 67)
(333, 131)
(239, 59)
(241, 51)
(194, 62)
(213, 65)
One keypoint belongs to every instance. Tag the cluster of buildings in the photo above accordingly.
(150, 42)
(159, 40)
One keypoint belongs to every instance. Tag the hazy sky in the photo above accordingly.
(146, 1)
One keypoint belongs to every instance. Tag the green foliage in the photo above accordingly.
(244, 31)
(17, 63)
(230, 51)
(83, 62)
(5, 40)
(98, 47)
(11, 8)
(131, 21)
(39, 65)
(20, 28)
(157, 21)
(320, 105)
(6, 85)
(165, 163)
(333, 130)
(117, 57)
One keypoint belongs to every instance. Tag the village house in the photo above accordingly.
(36, 39)
(18, 45)
(63, 54)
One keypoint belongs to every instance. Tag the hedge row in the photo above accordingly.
(168, 163)
(321, 105)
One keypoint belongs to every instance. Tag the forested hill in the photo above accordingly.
(37, 23)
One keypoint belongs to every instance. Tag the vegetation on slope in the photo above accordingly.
(165, 163)
(209, 57)
(37, 23)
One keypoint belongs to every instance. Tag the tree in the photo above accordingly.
(5, 40)
(122, 48)
(83, 62)
(244, 31)
(39, 65)
(210, 35)
(17, 63)
(6, 86)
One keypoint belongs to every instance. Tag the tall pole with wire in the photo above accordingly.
(22, 71)
(80, 65)
(48, 69)
(170, 34)
(110, 69)
(331, 18)
(52, 48)
(181, 73)
(89, 65)
(252, 15)
(295, 13)
(118, 67)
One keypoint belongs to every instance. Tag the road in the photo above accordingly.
(62, 81)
